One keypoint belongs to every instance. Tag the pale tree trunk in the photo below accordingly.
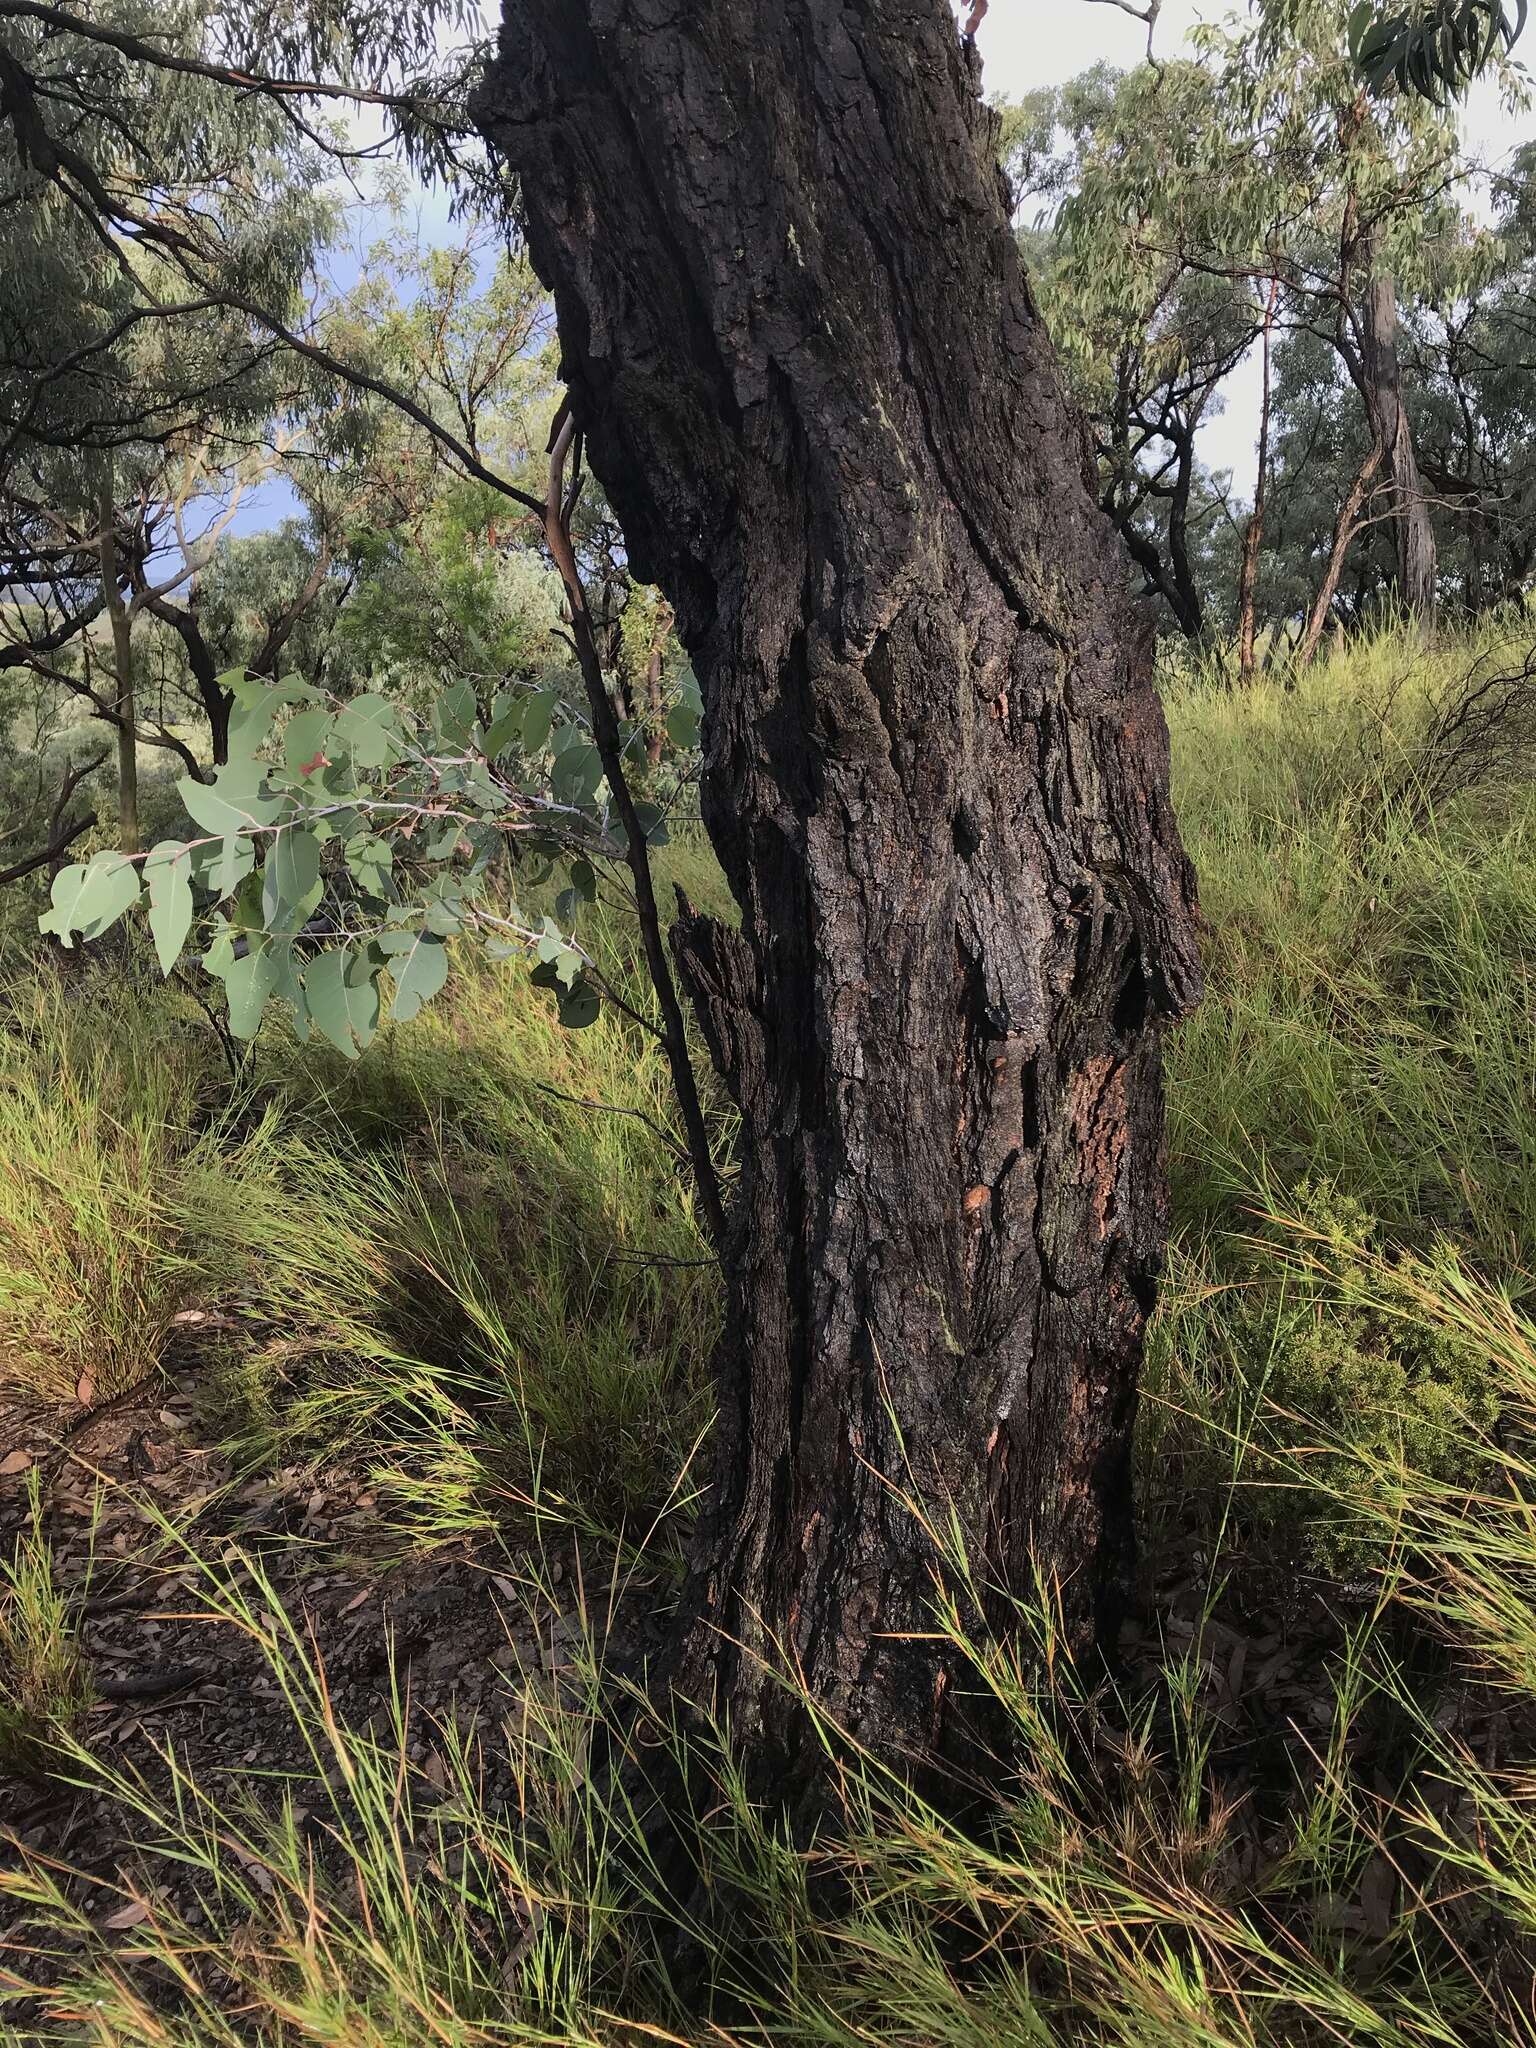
(1413, 535)
(1253, 537)
(818, 392)
(122, 665)
(1345, 527)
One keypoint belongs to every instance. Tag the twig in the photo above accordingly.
(62, 832)
(605, 733)
(618, 1109)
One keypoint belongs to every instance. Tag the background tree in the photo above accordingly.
(1115, 172)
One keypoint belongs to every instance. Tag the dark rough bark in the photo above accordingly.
(1413, 535)
(816, 388)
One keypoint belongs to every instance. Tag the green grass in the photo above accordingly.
(1115, 1894)
(1370, 1019)
(1368, 1043)
(442, 1261)
(45, 1681)
(104, 1099)
(471, 1259)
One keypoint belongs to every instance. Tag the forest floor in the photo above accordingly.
(442, 1643)
(143, 1509)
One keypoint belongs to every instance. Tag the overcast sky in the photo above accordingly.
(1030, 43)
(1026, 44)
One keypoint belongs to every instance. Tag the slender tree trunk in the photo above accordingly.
(818, 392)
(1253, 537)
(656, 729)
(122, 662)
(1344, 530)
(1189, 609)
(1413, 535)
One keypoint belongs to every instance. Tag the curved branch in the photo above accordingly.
(62, 831)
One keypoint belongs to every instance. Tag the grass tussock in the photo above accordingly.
(471, 1260)
(45, 1679)
(103, 1098)
(1115, 1892)
(445, 1262)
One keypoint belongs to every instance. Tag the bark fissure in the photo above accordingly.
(814, 383)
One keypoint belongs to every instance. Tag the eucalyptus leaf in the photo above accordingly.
(291, 885)
(90, 898)
(419, 966)
(168, 877)
(342, 997)
(235, 801)
(369, 727)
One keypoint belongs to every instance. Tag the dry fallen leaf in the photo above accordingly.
(14, 1462)
(127, 1916)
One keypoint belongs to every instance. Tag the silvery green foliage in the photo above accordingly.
(344, 843)
(1432, 50)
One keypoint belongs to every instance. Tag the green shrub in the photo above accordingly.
(1353, 1375)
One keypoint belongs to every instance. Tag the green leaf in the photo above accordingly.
(536, 721)
(257, 703)
(419, 965)
(455, 713)
(250, 691)
(653, 823)
(227, 865)
(369, 727)
(683, 726)
(249, 982)
(371, 860)
(304, 750)
(235, 801)
(291, 885)
(580, 1006)
(504, 731)
(444, 902)
(577, 772)
(168, 877)
(342, 997)
(90, 899)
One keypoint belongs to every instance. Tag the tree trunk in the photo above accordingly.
(1188, 609)
(817, 390)
(1345, 528)
(1412, 534)
(1253, 536)
(124, 704)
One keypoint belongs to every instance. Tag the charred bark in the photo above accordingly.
(817, 390)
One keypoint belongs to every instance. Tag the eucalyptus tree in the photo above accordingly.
(1359, 200)
(128, 397)
(803, 355)
(1116, 177)
(1472, 347)
(816, 386)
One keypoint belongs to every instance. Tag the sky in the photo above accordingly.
(1026, 44)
